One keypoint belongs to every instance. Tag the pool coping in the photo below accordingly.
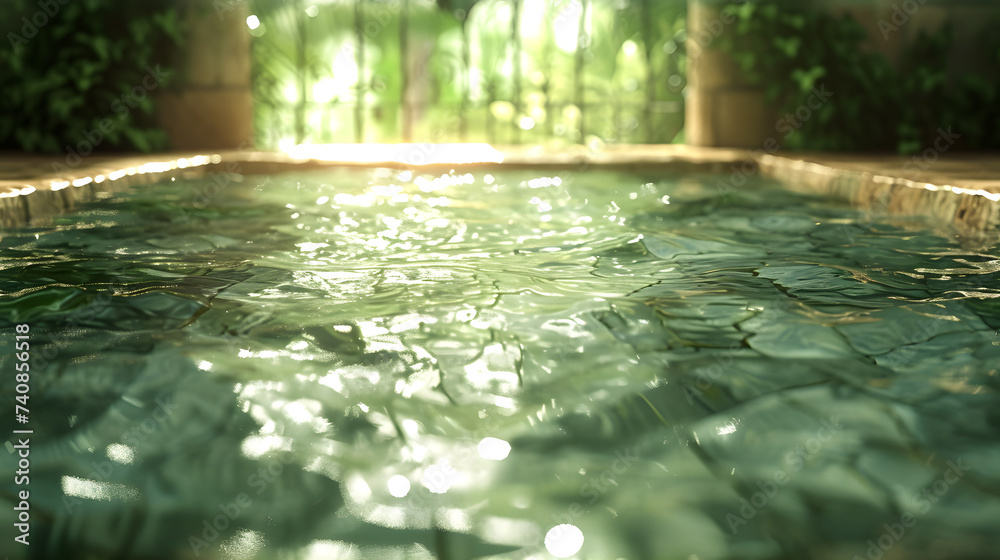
(960, 190)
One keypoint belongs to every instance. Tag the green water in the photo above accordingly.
(375, 364)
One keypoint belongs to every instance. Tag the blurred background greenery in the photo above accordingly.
(531, 71)
(549, 72)
(66, 66)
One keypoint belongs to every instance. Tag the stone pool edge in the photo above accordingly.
(971, 205)
(964, 191)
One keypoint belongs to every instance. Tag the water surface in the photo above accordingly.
(381, 364)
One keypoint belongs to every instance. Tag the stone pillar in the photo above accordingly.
(722, 109)
(209, 104)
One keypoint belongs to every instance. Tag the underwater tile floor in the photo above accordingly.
(874, 446)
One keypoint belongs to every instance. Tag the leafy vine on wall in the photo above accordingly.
(80, 76)
(790, 47)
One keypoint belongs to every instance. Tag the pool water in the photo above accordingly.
(387, 364)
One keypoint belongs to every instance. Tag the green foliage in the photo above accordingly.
(67, 68)
(293, 53)
(791, 47)
(460, 8)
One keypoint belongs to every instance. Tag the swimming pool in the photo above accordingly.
(382, 363)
